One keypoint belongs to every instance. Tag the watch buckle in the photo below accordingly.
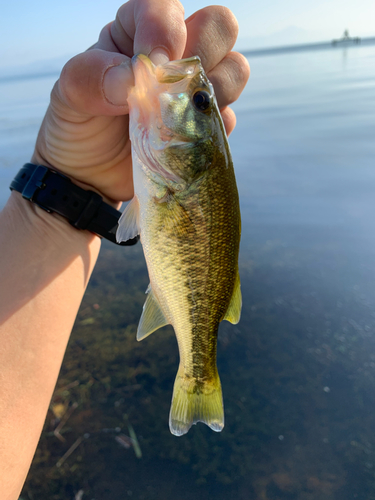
(35, 183)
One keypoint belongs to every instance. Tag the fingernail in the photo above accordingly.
(116, 83)
(159, 55)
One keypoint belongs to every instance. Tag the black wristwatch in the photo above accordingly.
(55, 192)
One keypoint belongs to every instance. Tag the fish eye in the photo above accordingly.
(201, 100)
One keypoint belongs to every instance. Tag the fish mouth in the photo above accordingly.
(151, 132)
(142, 66)
(170, 72)
(150, 82)
(144, 74)
(143, 97)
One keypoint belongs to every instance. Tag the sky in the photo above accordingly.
(39, 30)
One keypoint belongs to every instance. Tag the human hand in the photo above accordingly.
(85, 131)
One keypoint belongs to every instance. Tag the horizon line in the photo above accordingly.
(261, 51)
(340, 43)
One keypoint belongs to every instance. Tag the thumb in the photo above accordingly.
(96, 83)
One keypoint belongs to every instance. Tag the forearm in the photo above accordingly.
(44, 269)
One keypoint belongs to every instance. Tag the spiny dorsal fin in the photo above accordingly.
(128, 224)
(233, 313)
(152, 316)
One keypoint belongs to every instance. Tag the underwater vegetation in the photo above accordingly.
(297, 376)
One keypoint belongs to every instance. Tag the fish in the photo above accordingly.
(186, 210)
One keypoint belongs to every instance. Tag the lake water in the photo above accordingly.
(298, 371)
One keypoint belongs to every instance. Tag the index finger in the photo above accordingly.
(150, 27)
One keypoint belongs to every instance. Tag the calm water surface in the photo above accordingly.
(298, 371)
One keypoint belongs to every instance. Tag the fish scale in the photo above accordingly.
(186, 211)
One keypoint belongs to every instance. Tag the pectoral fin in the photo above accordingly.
(128, 224)
(152, 316)
(234, 310)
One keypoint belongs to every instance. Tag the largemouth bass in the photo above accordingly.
(186, 210)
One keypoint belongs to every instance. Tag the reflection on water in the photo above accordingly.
(297, 371)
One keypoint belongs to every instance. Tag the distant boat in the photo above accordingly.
(346, 39)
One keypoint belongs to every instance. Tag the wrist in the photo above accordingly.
(56, 193)
(28, 218)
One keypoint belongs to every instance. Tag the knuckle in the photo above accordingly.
(240, 67)
(105, 30)
(67, 84)
(221, 24)
(76, 83)
(230, 78)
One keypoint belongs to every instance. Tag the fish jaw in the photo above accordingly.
(147, 132)
(143, 98)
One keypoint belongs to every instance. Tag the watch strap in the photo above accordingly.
(54, 192)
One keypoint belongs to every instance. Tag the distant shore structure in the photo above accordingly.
(346, 39)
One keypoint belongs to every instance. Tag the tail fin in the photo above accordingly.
(192, 403)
